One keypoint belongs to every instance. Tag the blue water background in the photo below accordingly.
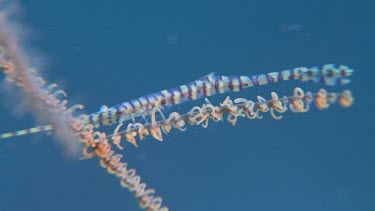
(107, 52)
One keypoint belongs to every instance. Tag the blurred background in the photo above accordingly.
(106, 52)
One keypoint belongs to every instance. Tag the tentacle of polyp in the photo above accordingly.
(40, 98)
(299, 102)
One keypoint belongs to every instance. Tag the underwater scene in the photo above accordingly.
(187, 105)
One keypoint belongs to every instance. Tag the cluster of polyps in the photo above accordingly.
(96, 144)
(299, 102)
